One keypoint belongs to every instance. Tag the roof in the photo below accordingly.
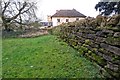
(68, 13)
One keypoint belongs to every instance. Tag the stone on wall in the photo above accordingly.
(114, 20)
(96, 40)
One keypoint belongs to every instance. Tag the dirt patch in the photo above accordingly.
(28, 33)
(33, 33)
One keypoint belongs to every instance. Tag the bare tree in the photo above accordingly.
(17, 11)
(0, 17)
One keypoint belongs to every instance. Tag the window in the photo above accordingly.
(58, 20)
(67, 20)
(77, 19)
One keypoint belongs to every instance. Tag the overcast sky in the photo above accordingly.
(49, 7)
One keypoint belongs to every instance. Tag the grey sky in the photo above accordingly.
(49, 7)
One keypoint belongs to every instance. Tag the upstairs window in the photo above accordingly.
(58, 20)
(67, 20)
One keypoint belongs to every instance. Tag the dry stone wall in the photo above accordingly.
(99, 44)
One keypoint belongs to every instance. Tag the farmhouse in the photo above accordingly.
(64, 16)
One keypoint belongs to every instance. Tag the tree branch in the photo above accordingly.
(19, 22)
(27, 9)
(5, 7)
(14, 17)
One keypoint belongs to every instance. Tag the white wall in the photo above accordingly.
(63, 20)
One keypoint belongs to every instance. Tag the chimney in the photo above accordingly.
(74, 9)
(57, 11)
(49, 18)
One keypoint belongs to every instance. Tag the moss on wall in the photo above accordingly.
(100, 44)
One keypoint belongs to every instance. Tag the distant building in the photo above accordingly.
(64, 16)
(45, 23)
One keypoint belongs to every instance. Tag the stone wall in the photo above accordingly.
(99, 44)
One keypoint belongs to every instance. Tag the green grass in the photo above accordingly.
(43, 57)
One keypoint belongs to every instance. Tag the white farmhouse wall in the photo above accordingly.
(54, 20)
(63, 20)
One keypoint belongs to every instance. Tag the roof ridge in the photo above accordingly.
(69, 9)
(68, 13)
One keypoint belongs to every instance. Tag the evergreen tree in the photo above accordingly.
(107, 8)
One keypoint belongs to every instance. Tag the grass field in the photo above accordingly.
(43, 57)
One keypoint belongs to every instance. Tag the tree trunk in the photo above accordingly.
(6, 26)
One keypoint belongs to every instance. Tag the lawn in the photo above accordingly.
(43, 57)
